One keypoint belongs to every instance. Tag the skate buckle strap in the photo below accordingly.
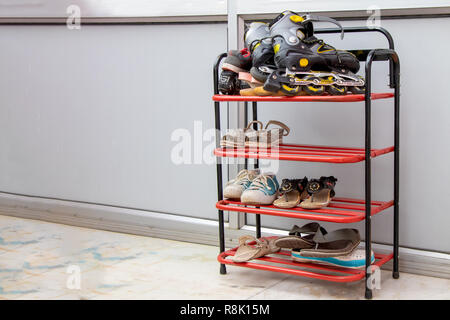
(309, 17)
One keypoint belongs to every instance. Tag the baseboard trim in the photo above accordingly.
(173, 227)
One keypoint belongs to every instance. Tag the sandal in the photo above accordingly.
(320, 192)
(236, 138)
(246, 252)
(291, 192)
(333, 244)
(267, 138)
(295, 240)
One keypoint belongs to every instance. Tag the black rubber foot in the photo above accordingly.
(395, 274)
(223, 270)
(368, 294)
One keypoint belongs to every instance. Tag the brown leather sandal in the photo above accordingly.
(320, 191)
(295, 240)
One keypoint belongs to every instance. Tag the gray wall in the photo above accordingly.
(88, 115)
(425, 131)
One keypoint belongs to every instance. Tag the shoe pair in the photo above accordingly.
(311, 243)
(262, 137)
(252, 187)
(308, 194)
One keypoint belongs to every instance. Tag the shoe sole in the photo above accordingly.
(230, 67)
(331, 261)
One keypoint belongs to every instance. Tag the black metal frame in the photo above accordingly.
(394, 82)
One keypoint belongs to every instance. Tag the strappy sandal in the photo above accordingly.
(291, 192)
(267, 138)
(320, 192)
(295, 240)
(236, 138)
(246, 252)
(333, 244)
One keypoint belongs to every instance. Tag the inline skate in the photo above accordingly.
(258, 41)
(307, 65)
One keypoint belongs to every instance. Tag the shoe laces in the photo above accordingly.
(242, 178)
(261, 182)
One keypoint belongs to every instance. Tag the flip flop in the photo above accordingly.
(247, 252)
(333, 244)
(354, 260)
(291, 191)
(295, 240)
(320, 191)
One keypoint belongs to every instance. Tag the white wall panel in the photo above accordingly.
(112, 8)
(88, 115)
(250, 7)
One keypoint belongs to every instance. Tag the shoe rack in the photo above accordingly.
(340, 210)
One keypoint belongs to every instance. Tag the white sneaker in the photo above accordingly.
(235, 187)
(263, 190)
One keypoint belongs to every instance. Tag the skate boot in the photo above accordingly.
(307, 65)
(258, 41)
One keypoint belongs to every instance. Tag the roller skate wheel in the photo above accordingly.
(335, 90)
(313, 89)
(290, 90)
(357, 90)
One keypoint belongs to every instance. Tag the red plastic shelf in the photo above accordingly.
(297, 152)
(343, 98)
(341, 210)
(281, 262)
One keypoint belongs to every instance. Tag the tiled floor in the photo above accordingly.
(39, 260)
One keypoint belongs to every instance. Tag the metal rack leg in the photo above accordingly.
(245, 123)
(395, 270)
(257, 216)
(368, 184)
(223, 269)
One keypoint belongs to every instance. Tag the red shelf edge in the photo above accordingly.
(328, 214)
(282, 153)
(343, 98)
(354, 274)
